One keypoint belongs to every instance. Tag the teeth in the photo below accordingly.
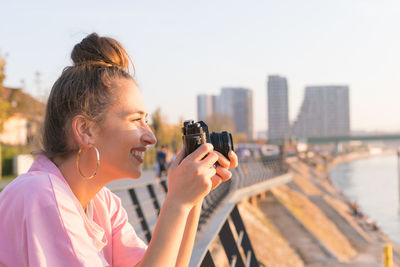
(138, 153)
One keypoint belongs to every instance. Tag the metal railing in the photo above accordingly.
(143, 204)
(212, 200)
(252, 171)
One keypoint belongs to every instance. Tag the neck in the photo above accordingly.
(83, 188)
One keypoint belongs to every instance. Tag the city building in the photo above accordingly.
(238, 104)
(262, 135)
(325, 112)
(206, 106)
(235, 104)
(278, 108)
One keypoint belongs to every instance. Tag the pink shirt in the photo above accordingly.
(43, 224)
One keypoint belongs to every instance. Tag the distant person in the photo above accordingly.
(96, 131)
(243, 153)
(356, 211)
(161, 159)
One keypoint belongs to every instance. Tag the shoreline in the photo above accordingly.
(365, 220)
(354, 156)
(310, 222)
(341, 191)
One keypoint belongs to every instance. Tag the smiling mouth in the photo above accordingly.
(138, 155)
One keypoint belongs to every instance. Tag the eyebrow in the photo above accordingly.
(136, 112)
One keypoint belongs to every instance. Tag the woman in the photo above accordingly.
(95, 131)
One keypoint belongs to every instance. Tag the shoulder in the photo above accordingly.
(37, 179)
(109, 199)
(111, 206)
(32, 188)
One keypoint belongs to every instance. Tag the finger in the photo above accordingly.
(210, 173)
(222, 160)
(200, 152)
(179, 157)
(233, 158)
(210, 160)
(223, 173)
(216, 181)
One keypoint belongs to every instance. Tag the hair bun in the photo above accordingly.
(95, 50)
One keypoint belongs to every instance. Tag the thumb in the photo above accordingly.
(179, 157)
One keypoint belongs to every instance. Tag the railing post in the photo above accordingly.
(245, 242)
(154, 198)
(207, 261)
(230, 247)
(140, 214)
(164, 185)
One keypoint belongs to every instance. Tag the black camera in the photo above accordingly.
(196, 133)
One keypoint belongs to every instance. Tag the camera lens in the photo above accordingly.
(222, 142)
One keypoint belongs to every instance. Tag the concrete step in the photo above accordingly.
(298, 237)
(353, 233)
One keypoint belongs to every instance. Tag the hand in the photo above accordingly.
(190, 179)
(222, 172)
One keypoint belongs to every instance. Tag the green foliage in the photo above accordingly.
(158, 124)
(25, 104)
(2, 67)
(7, 154)
(8, 178)
(166, 134)
(4, 112)
(149, 159)
(4, 105)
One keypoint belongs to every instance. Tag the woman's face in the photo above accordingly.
(123, 136)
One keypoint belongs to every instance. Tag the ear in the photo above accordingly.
(82, 129)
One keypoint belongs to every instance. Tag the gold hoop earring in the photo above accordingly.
(98, 163)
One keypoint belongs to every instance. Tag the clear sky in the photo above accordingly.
(183, 48)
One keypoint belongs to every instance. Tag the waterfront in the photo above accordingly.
(373, 183)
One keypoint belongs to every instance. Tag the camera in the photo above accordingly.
(196, 133)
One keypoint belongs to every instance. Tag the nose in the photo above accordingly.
(148, 138)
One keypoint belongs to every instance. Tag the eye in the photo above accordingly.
(145, 119)
(141, 118)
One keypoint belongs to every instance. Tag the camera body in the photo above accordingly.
(196, 133)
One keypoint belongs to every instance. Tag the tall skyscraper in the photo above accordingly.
(278, 108)
(325, 112)
(238, 104)
(206, 106)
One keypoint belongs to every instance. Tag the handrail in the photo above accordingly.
(214, 225)
(251, 177)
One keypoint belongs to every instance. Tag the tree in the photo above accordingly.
(169, 135)
(220, 122)
(158, 123)
(4, 105)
